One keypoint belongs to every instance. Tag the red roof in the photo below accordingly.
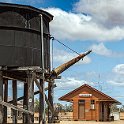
(108, 98)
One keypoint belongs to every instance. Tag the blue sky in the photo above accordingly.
(84, 25)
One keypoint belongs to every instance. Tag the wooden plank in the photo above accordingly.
(14, 76)
(1, 97)
(5, 100)
(14, 87)
(15, 107)
(29, 68)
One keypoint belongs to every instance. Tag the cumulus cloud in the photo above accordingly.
(118, 81)
(119, 69)
(62, 56)
(72, 26)
(71, 83)
(118, 75)
(101, 49)
(20, 85)
(106, 12)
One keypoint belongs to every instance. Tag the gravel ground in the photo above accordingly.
(91, 122)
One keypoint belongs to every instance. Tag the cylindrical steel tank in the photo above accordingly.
(20, 36)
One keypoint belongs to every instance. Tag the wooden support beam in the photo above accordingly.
(11, 75)
(1, 97)
(5, 100)
(30, 96)
(35, 93)
(15, 108)
(41, 102)
(25, 102)
(14, 112)
(50, 98)
(28, 102)
(40, 89)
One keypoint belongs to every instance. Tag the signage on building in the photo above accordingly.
(85, 95)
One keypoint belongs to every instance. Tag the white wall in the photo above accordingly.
(116, 115)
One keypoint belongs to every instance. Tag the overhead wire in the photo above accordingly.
(64, 45)
(52, 49)
(54, 39)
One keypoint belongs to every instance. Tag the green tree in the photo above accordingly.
(68, 108)
(114, 108)
(122, 108)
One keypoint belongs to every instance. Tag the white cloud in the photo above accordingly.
(117, 82)
(70, 83)
(72, 26)
(102, 50)
(117, 77)
(104, 22)
(62, 56)
(20, 85)
(107, 12)
(119, 69)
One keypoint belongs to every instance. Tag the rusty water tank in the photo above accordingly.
(20, 35)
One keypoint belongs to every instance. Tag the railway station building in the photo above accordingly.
(89, 103)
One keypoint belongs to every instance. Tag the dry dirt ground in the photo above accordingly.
(91, 122)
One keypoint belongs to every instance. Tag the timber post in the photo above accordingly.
(5, 99)
(50, 98)
(1, 97)
(14, 87)
(29, 98)
(42, 115)
(25, 102)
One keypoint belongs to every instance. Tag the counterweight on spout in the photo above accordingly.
(66, 65)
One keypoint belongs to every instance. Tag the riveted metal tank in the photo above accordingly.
(21, 35)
